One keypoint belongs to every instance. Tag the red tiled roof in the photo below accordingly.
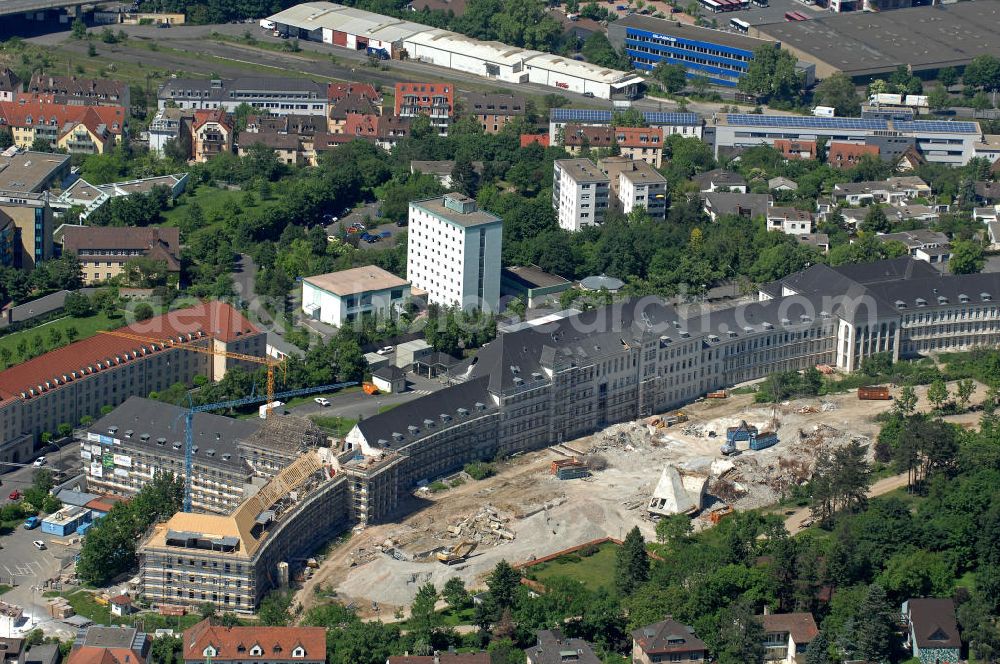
(626, 137)
(207, 319)
(100, 505)
(99, 655)
(528, 139)
(358, 124)
(838, 152)
(336, 91)
(236, 642)
(120, 599)
(16, 114)
(203, 116)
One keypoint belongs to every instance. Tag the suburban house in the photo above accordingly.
(790, 149)
(339, 297)
(211, 134)
(790, 221)
(554, 648)
(782, 184)
(645, 143)
(749, 206)
(847, 155)
(787, 635)
(78, 129)
(110, 645)
(104, 251)
(206, 642)
(720, 180)
(493, 111)
(350, 104)
(923, 244)
(667, 641)
(932, 631)
(81, 91)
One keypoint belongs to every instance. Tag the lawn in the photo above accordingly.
(85, 327)
(214, 202)
(85, 604)
(594, 571)
(340, 426)
(4, 588)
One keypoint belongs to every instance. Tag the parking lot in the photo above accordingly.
(366, 214)
(29, 571)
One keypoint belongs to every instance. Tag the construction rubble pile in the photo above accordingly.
(488, 527)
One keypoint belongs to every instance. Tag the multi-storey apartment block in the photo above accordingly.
(278, 95)
(453, 252)
(435, 100)
(580, 193)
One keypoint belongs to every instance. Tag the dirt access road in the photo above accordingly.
(799, 519)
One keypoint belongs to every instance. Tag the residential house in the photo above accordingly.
(32, 215)
(33, 172)
(819, 241)
(435, 100)
(667, 641)
(579, 193)
(790, 149)
(528, 139)
(993, 233)
(86, 129)
(287, 148)
(790, 221)
(787, 636)
(337, 91)
(360, 125)
(10, 85)
(986, 214)
(642, 186)
(351, 104)
(272, 94)
(442, 169)
(910, 160)
(988, 192)
(391, 130)
(81, 91)
(720, 180)
(847, 155)
(493, 111)
(110, 645)
(104, 251)
(211, 134)
(89, 197)
(645, 143)
(749, 206)
(554, 648)
(169, 125)
(893, 191)
(206, 642)
(932, 631)
(292, 123)
(923, 244)
(43, 653)
(924, 213)
(11, 648)
(782, 184)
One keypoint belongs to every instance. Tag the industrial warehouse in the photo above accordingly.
(546, 384)
(864, 45)
(391, 38)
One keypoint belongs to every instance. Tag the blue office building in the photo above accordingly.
(720, 56)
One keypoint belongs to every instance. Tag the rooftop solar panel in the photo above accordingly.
(938, 126)
(805, 122)
(603, 116)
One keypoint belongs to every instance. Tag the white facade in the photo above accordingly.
(643, 188)
(789, 221)
(163, 128)
(580, 193)
(453, 252)
(341, 297)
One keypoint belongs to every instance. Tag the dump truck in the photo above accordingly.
(763, 440)
(874, 393)
(456, 554)
(718, 394)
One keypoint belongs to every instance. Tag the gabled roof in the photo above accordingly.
(667, 636)
(235, 643)
(217, 115)
(800, 626)
(351, 103)
(18, 114)
(933, 623)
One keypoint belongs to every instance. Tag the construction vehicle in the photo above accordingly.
(874, 393)
(456, 554)
(718, 394)
(720, 514)
(369, 388)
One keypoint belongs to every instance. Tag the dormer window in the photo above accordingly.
(210, 651)
(256, 651)
(299, 653)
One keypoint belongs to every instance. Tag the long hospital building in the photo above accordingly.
(543, 382)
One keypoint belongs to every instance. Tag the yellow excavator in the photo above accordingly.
(456, 554)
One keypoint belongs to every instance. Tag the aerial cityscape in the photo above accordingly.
(500, 332)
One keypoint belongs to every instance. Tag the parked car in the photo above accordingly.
(588, 94)
(323, 401)
(372, 238)
(39, 462)
(14, 495)
(359, 226)
(385, 350)
(385, 234)
(352, 230)
(32, 522)
(39, 544)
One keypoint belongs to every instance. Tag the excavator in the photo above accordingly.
(456, 554)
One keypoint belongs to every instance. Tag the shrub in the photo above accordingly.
(480, 470)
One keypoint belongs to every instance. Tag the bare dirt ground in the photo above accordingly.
(524, 512)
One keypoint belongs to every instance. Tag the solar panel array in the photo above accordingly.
(937, 126)
(805, 122)
(604, 117)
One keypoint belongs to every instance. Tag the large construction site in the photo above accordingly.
(634, 473)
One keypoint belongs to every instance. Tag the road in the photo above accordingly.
(64, 462)
(355, 405)
(797, 520)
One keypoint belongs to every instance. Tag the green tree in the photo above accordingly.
(966, 257)
(937, 393)
(819, 650)
(274, 607)
(839, 92)
(207, 610)
(503, 582)
(875, 220)
(906, 402)
(423, 617)
(983, 72)
(78, 29)
(631, 563)
(143, 311)
(505, 651)
(771, 75)
(947, 76)
(875, 627)
(741, 635)
(673, 77)
(981, 102)
(455, 594)
(631, 117)
(938, 98)
(673, 529)
(464, 178)
(964, 390)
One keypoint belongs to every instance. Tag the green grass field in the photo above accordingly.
(594, 571)
(4, 588)
(214, 204)
(85, 327)
(339, 425)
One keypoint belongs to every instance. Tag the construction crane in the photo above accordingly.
(234, 403)
(270, 363)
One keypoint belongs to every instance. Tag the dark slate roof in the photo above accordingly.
(554, 648)
(726, 202)
(720, 177)
(933, 622)
(667, 636)
(165, 421)
(391, 430)
(388, 372)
